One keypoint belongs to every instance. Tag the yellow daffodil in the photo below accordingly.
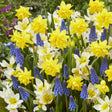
(103, 88)
(23, 12)
(79, 26)
(104, 18)
(95, 6)
(99, 49)
(51, 67)
(75, 83)
(59, 39)
(109, 73)
(64, 10)
(39, 25)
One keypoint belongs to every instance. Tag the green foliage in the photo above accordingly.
(37, 5)
(80, 5)
(43, 6)
(108, 4)
(2, 106)
(3, 51)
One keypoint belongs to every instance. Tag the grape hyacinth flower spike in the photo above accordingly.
(12, 49)
(58, 90)
(92, 35)
(38, 40)
(24, 94)
(72, 104)
(104, 34)
(84, 93)
(94, 77)
(66, 72)
(103, 67)
(77, 52)
(63, 26)
(66, 90)
(19, 57)
(15, 82)
(36, 72)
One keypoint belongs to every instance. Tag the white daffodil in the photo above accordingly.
(88, 50)
(85, 73)
(110, 41)
(110, 103)
(83, 60)
(47, 85)
(6, 93)
(8, 71)
(110, 54)
(103, 105)
(44, 94)
(81, 72)
(22, 25)
(99, 33)
(32, 33)
(7, 84)
(15, 109)
(93, 93)
(39, 105)
(12, 109)
(75, 15)
(8, 65)
(46, 52)
(89, 17)
(43, 51)
(39, 86)
(11, 99)
(57, 20)
(14, 101)
(76, 72)
(85, 36)
(46, 97)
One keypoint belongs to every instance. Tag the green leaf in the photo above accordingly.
(110, 31)
(29, 91)
(1, 85)
(69, 57)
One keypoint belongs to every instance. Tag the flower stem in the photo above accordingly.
(94, 61)
(85, 106)
(68, 24)
(33, 47)
(66, 103)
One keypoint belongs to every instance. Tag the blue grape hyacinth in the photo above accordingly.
(63, 26)
(66, 91)
(84, 93)
(36, 72)
(24, 94)
(66, 72)
(12, 49)
(103, 67)
(15, 82)
(104, 34)
(58, 90)
(94, 77)
(92, 35)
(77, 52)
(39, 41)
(72, 104)
(19, 57)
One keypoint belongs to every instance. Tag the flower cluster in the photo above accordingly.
(59, 62)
